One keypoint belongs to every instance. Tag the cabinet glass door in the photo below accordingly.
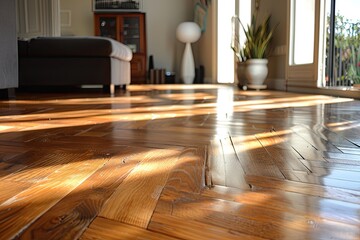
(108, 27)
(131, 33)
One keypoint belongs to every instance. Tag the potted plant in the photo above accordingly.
(255, 50)
(353, 72)
(354, 75)
(258, 38)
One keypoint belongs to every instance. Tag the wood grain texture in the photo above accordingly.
(135, 199)
(7, 192)
(254, 159)
(296, 203)
(189, 229)
(117, 230)
(307, 189)
(225, 166)
(254, 220)
(283, 155)
(72, 215)
(179, 162)
(22, 209)
(188, 175)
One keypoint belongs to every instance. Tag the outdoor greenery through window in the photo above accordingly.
(345, 68)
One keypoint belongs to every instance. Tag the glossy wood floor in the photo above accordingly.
(179, 162)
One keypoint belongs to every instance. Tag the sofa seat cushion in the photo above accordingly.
(78, 47)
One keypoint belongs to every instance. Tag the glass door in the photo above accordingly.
(342, 58)
(131, 33)
(108, 27)
(303, 41)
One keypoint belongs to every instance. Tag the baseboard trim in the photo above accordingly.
(347, 93)
(276, 84)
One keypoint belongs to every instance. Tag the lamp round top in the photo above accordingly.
(188, 32)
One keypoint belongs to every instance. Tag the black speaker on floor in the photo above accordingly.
(199, 75)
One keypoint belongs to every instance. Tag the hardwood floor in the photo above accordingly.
(179, 162)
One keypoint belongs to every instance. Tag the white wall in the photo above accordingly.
(206, 52)
(81, 17)
(162, 18)
(8, 45)
(277, 59)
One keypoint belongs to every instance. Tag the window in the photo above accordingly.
(225, 56)
(302, 32)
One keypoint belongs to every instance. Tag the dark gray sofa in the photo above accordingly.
(74, 61)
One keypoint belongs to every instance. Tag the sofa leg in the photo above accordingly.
(112, 89)
(109, 89)
(7, 94)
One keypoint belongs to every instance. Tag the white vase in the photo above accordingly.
(188, 65)
(256, 73)
(188, 32)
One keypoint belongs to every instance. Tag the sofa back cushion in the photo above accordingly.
(77, 47)
(23, 46)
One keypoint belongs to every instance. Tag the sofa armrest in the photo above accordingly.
(120, 51)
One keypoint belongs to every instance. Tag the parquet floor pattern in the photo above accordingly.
(179, 162)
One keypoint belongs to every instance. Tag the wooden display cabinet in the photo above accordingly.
(129, 29)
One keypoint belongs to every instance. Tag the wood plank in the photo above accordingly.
(234, 172)
(343, 156)
(350, 150)
(142, 187)
(316, 141)
(48, 163)
(22, 209)
(225, 166)
(188, 174)
(7, 192)
(216, 166)
(330, 136)
(189, 229)
(303, 148)
(7, 152)
(305, 188)
(330, 181)
(107, 141)
(343, 161)
(348, 174)
(51, 142)
(252, 220)
(9, 168)
(282, 154)
(332, 164)
(188, 138)
(72, 215)
(102, 228)
(297, 203)
(254, 159)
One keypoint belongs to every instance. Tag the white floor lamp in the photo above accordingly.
(188, 32)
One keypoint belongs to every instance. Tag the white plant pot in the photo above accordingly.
(256, 73)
